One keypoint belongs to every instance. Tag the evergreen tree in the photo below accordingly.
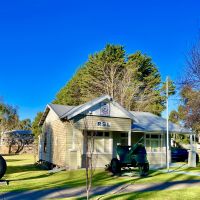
(36, 130)
(71, 93)
(9, 119)
(132, 80)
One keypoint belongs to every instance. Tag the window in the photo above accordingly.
(89, 133)
(107, 145)
(106, 134)
(153, 143)
(124, 135)
(124, 139)
(100, 142)
(99, 134)
(45, 142)
(99, 145)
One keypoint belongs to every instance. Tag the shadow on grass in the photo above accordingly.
(179, 167)
(71, 180)
(13, 160)
(30, 178)
(174, 195)
(21, 168)
(149, 188)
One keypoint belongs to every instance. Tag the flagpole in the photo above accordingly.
(167, 120)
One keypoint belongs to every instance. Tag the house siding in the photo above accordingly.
(74, 154)
(66, 143)
(59, 149)
(90, 123)
(57, 140)
(99, 160)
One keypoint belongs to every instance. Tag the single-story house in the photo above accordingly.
(64, 131)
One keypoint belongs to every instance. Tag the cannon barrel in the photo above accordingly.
(3, 166)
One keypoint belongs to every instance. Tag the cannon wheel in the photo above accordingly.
(115, 166)
(144, 169)
(3, 166)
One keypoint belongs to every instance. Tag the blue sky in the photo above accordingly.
(42, 43)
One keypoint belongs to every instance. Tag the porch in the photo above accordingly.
(105, 143)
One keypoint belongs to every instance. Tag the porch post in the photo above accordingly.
(192, 152)
(129, 138)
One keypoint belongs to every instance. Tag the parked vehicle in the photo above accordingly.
(3, 166)
(180, 154)
(131, 156)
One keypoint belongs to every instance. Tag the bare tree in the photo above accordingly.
(16, 139)
(192, 76)
(127, 88)
(90, 159)
(190, 90)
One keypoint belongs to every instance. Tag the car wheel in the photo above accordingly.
(3, 167)
(115, 166)
(197, 158)
(144, 169)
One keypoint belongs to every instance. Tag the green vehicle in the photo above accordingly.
(131, 156)
(3, 166)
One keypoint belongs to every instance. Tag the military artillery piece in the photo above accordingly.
(131, 156)
(3, 166)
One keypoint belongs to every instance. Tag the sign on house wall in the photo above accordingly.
(103, 124)
(105, 109)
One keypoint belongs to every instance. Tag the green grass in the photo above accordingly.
(191, 193)
(23, 175)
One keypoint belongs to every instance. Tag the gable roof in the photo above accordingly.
(143, 121)
(149, 122)
(68, 112)
(80, 109)
(60, 110)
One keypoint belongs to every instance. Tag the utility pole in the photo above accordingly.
(167, 119)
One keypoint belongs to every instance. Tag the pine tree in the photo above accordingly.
(132, 80)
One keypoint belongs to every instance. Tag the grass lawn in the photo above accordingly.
(23, 175)
(191, 193)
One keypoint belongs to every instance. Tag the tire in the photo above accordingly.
(115, 166)
(3, 166)
(144, 169)
(197, 158)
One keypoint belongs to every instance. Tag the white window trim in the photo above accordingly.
(160, 141)
(103, 137)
